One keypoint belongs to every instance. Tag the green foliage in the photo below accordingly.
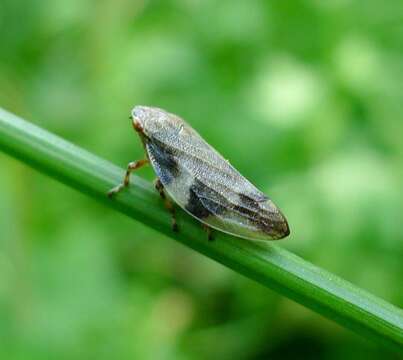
(303, 97)
(268, 264)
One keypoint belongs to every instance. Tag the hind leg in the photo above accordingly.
(209, 232)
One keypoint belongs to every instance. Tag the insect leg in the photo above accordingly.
(209, 232)
(168, 204)
(130, 167)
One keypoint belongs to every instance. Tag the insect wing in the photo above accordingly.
(204, 184)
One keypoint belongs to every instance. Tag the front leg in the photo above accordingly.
(130, 167)
(168, 204)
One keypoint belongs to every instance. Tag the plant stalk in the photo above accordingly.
(264, 262)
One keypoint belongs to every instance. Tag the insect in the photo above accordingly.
(200, 180)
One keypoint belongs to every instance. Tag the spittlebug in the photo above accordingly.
(200, 180)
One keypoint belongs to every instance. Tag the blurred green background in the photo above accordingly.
(304, 97)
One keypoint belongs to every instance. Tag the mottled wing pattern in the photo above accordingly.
(203, 183)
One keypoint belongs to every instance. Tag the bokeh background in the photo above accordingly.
(304, 97)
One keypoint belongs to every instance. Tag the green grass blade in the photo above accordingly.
(266, 263)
